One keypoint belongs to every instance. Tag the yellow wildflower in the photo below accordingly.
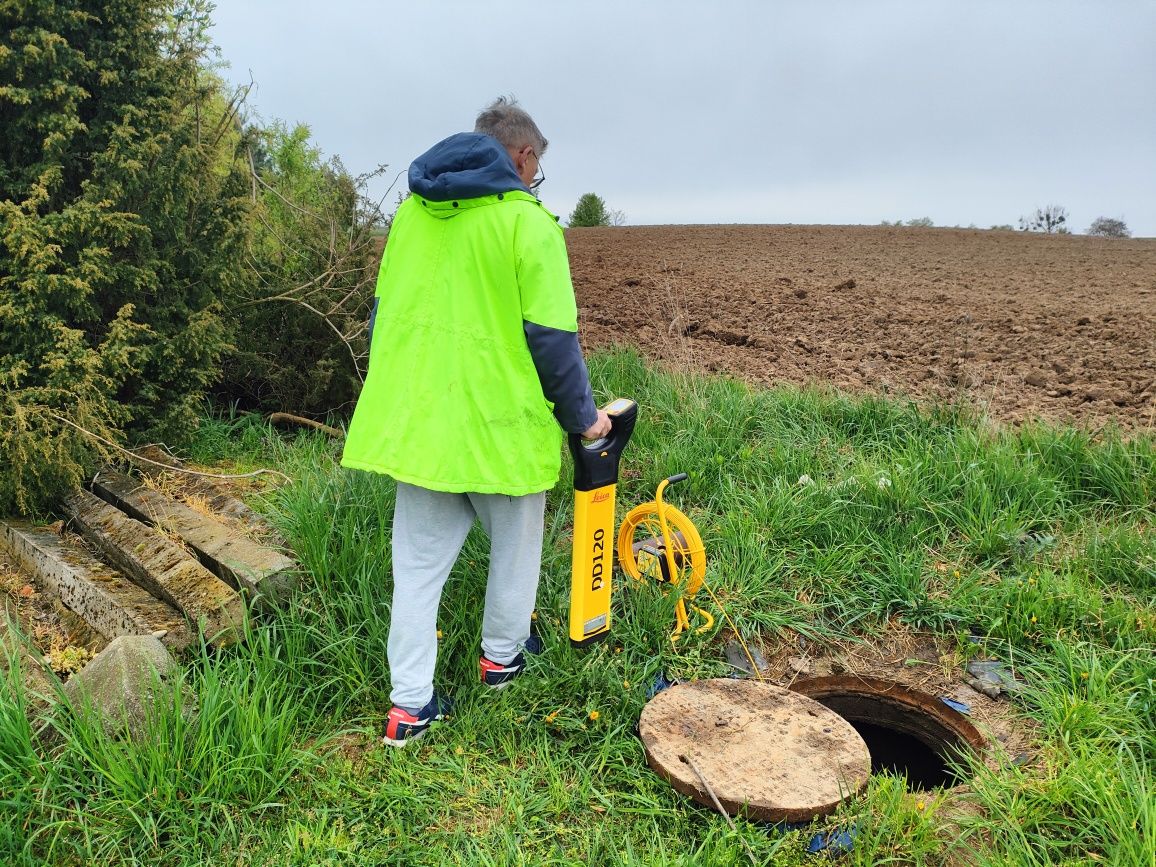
(594, 715)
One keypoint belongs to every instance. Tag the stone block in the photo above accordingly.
(124, 682)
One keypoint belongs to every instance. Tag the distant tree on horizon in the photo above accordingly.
(590, 211)
(1109, 227)
(1051, 220)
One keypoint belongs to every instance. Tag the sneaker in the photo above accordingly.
(402, 727)
(496, 675)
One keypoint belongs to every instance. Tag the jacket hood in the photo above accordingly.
(467, 165)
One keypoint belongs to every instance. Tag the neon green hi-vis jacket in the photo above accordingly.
(474, 360)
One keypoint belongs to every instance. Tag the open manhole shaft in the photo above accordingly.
(909, 733)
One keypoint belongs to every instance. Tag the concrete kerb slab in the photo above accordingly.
(105, 600)
(264, 574)
(218, 500)
(162, 567)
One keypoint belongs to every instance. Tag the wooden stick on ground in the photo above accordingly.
(718, 806)
(287, 418)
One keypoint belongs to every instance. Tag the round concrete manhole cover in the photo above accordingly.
(766, 752)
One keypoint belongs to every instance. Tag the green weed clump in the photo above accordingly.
(823, 516)
(185, 789)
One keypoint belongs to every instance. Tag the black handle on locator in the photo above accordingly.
(596, 462)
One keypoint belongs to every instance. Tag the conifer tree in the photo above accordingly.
(121, 229)
(590, 211)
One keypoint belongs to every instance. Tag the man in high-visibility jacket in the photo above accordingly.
(474, 372)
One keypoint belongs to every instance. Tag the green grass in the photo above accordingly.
(822, 515)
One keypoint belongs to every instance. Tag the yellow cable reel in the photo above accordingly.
(658, 541)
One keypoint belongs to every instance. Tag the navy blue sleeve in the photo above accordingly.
(372, 320)
(562, 372)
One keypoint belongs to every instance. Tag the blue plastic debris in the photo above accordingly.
(833, 842)
(661, 683)
(826, 842)
(961, 706)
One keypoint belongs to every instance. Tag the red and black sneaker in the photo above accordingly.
(402, 727)
(497, 675)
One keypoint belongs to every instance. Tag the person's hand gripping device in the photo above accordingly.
(595, 478)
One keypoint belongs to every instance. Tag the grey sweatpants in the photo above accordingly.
(429, 529)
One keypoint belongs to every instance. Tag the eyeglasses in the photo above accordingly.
(539, 175)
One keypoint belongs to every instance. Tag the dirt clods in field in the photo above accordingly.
(1020, 325)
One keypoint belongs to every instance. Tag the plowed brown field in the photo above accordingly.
(1022, 325)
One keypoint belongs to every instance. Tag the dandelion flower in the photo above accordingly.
(1033, 618)
(626, 684)
(439, 635)
(956, 573)
(594, 715)
(1084, 675)
(550, 717)
(920, 806)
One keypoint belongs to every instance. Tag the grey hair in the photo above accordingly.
(510, 125)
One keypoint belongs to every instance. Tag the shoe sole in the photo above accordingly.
(401, 742)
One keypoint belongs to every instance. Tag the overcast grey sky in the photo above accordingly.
(825, 111)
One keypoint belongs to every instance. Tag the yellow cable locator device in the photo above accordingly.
(595, 480)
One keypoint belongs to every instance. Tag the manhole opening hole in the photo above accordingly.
(909, 733)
